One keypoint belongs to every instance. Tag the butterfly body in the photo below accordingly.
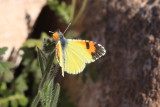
(74, 54)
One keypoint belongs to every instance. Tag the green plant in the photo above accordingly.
(31, 64)
(32, 43)
(11, 89)
(67, 12)
(14, 84)
(4, 66)
(48, 92)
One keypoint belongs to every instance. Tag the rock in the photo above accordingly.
(17, 19)
(129, 73)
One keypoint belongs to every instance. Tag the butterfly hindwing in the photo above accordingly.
(73, 62)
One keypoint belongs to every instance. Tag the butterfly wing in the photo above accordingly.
(60, 56)
(77, 53)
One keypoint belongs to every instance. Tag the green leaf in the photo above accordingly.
(23, 101)
(5, 104)
(61, 10)
(42, 61)
(3, 86)
(3, 50)
(49, 92)
(48, 46)
(50, 62)
(36, 100)
(5, 67)
(46, 92)
(44, 35)
(56, 92)
(21, 84)
(43, 93)
(67, 12)
(14, 103)
(36, 71)
(8, 76)
(5, 72)
(48, 67)
(30, 43)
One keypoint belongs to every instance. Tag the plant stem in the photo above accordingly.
(81, 11)
(36, 100)
(56, 95)
(73, 5)
(48, 68)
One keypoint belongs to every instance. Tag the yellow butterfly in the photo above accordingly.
(73, 54)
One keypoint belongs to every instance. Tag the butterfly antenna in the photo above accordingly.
(51, 32)
(67, 28)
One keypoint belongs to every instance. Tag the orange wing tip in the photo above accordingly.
(56, 36)
(96, 50)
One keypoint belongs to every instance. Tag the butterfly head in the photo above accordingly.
(57, 36)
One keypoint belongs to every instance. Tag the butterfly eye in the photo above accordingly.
(55, 36)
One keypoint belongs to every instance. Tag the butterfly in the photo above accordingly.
(73, 54)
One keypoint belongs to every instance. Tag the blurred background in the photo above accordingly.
(127, 76)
